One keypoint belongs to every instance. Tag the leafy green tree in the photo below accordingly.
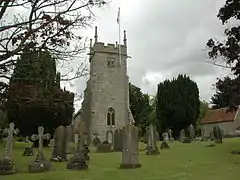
(223, 94)
(177, 104)
(140, 107)
(34, 96)
(229, 50)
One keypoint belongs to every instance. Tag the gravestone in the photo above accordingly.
(51, 144)
(130, 147)
(192, 132)
(152, 148)
(164, 144)
(117, 145)
(217, 134)
(59, 153)
(170, 135)
(182, 135)
(6, 165)
(109, 136)
(28, 151)
(40, 164)
(80, 157)
(104, 147)
(96, 141)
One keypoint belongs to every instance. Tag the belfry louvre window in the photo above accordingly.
(110, 62)
(111, 117)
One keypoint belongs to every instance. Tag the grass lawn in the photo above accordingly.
(181, 162)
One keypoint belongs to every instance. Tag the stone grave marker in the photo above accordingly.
(164, 144)
(40, 164)
(80, 157)
(117, 145)
(182, 135)
(59, 153)
(192, 132)
(130, 147)
(152, 148)
(170, 135)
(6, 165)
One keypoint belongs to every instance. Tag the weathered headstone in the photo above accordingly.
(164, 144)
(152, 148)
(117, 145)
(6, 165)
(109, 136)
(192, 132)
(170, 135)
(80, 157)
(96, 141)
(59, 153)
(40, 164)
(130, 147)
(217, 134)
(182, 135)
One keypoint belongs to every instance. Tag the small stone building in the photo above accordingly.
(228, 121)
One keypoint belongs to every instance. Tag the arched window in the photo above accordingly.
(111, 117)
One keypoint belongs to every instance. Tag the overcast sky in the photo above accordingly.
(165, 38)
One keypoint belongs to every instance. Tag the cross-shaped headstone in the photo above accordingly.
(9, 143)
(40, 138)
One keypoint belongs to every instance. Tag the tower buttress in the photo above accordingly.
(125, 38)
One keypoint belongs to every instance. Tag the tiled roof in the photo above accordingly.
(218, 115)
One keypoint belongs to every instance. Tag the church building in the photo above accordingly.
(105, 107)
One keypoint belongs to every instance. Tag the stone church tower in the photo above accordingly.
(106, 97)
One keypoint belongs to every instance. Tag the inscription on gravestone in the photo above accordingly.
(130, 147)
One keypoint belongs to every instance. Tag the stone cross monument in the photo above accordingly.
(7, 167)
(40, 164)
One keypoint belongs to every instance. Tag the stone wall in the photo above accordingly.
(227, 127)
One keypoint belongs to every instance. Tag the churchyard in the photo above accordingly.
(182, 161)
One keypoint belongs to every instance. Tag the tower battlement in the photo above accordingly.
(109, 48)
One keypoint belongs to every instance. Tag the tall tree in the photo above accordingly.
(222, 96)
(50, 25)
(34, 96)
(140, 107)
(177, 104)
(229, 50)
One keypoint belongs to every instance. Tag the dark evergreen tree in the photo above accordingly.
(35, 98)
(177, 104)
(229, 50)
(140, 107)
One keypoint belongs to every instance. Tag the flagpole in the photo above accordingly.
(119, 36)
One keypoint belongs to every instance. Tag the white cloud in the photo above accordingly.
(165, 38)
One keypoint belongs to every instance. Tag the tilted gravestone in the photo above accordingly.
(40, 164)
(217, 134)
(118, 138)
(59, 153)
(152, 148)
(130, 147)
(80, 157)
(6, 165)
